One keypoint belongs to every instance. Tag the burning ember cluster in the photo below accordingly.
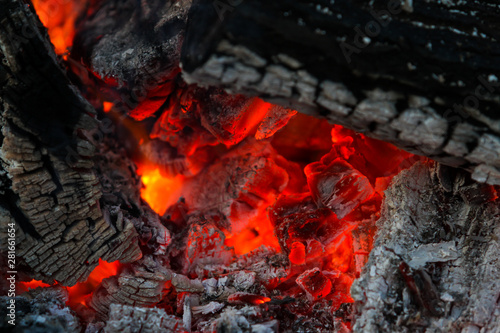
(262, 217)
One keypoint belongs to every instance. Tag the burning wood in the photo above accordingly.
(188, 208)
(386, 68)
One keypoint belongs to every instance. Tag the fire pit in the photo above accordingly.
(249, 166)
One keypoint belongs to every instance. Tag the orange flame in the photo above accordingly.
(33, 284)
(79, 292)
(159, 192)
(246, 298)
(262, 300)
(59, 17)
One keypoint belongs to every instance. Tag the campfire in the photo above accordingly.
(249, 166)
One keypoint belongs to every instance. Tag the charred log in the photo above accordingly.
(434, 265)
(49, 188)
(421, 74)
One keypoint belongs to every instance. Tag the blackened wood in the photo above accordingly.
(135, 44)
(49, 187)
(423, 75)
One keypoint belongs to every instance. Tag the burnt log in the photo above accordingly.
(435, 262)
(420, 74)
(48, 185)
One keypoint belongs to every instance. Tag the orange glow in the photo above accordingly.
(33, 284)
(342, 254)
(82, 290)
(106, 106)
(79, 292)
(247, 123)
(253, 116)
(262, 300)
(316, 169)
(246, 298)
(59, 17)
(259, 231)
(159, 191)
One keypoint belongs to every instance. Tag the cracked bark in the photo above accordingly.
(435, 262)
(48, 183)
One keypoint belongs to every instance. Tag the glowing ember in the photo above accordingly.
(107, 106)
(250, 175)
(246, 298)
(258, 200)
(297, 254)
(59, 18)
(33, 284)
(159, 191)
(78, 294)
(315, 284)
(258, 232)
(81, 291)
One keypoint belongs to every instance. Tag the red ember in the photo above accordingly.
(246, 298)
(315, 284)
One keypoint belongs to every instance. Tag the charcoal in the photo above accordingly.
(338, 186)
(315, 284)
(171, 206)
(275, 119)
(238, 183)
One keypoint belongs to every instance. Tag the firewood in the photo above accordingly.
(396, 71)
(69, 183)
(48, 183)
(141, 284)
(435, 261)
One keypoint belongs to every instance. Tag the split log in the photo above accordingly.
(48, 185)
(420, 74)
(435, 263)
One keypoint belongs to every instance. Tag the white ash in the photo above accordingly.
(41, 310)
